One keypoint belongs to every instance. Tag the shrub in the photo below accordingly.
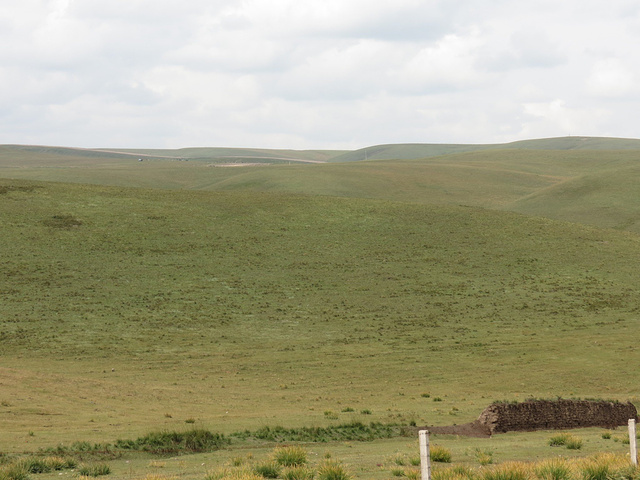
(366, 411)
(397, 472)
(440, 454)
(290, 456)
(606, 435)
(333, 471)
(268, 470)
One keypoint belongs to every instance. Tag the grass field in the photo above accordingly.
(130, 310)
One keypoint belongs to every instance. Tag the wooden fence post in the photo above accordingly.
(425, 459)
(632, 442)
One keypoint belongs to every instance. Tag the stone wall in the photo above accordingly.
(557, 414)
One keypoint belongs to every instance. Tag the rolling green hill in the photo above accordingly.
(571, 178)
(425, 150)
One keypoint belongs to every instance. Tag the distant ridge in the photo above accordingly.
(410, 151)
(399, 151)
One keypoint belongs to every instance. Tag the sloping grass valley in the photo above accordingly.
(275, 303)
(254, 307)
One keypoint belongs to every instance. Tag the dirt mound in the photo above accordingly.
(543, 415)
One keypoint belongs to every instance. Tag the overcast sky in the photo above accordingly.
(316, 73)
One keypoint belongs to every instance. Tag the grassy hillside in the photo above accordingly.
(569, 179)
(127, 310)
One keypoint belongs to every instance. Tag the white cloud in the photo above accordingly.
(612, 78)
(315, 73)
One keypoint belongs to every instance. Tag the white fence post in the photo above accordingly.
(425, 459)
(632, 442)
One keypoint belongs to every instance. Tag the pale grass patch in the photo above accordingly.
(157, 476)
(510, 471)
(226, 473)
(157, 464)
(412, 474)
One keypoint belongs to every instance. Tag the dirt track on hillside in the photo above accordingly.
(473, 429)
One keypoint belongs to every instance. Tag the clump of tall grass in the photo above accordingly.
(330, 470)
(355, 431)
(508, 471)
(399, 460)
(290, 456)
(554, 469)
(440, 454)
(157, 476)
(233, 474)
(599, 467)
(46, 464)
(298, 473)
(559, 440)
(195, 440)
(268, 469)
(13, 471)
(565, 440)
(94, 470)
(412, 474)
(484, 457)
(574, 443)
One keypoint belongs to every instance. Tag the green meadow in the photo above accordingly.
(165, 295)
